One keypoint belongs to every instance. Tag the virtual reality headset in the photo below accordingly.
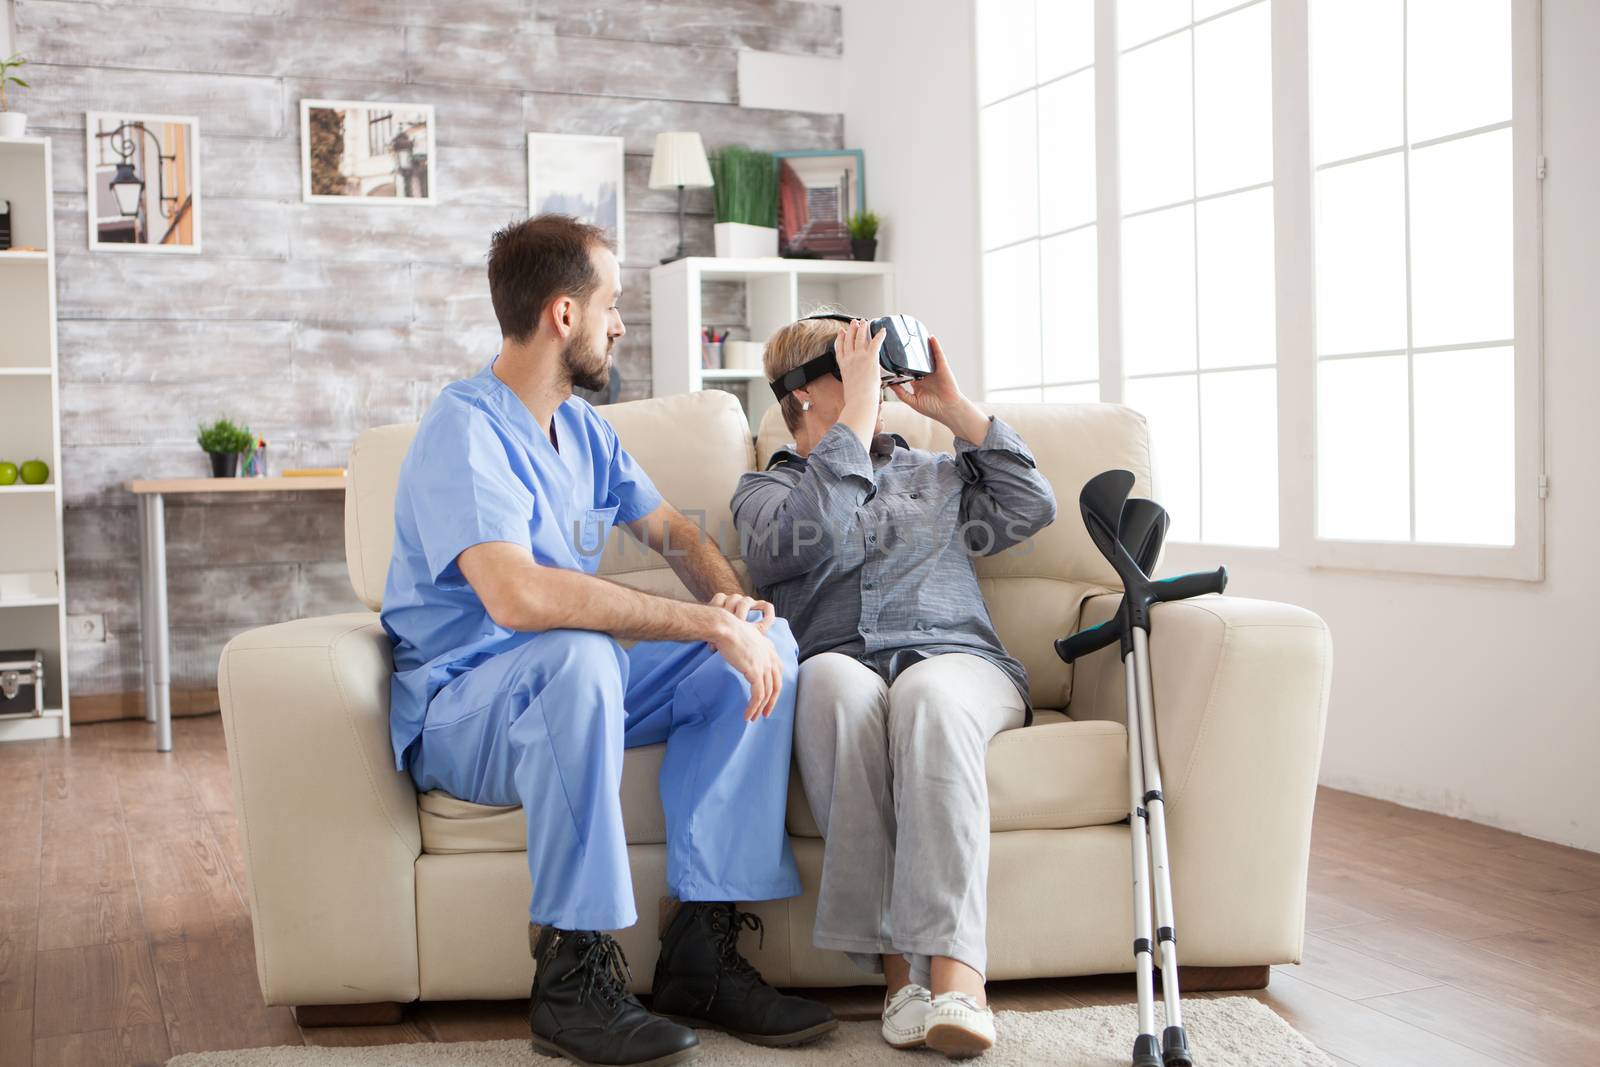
(905, 354)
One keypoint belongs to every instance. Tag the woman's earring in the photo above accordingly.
(805, 405)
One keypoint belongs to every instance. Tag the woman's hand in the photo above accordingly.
(857, 355)
(939, 398)
(740, 606)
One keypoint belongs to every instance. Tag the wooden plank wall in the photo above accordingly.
(314, 322)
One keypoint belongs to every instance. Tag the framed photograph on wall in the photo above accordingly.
(367, 152)
(143, 177)
(579, 175)
(818, 191)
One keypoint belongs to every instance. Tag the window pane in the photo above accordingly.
(1005, 48)
(1239, 458)
(1168, 405)
(1238, 324)
(1158, 291)
(1357, 68)
(1207, 8)
(1011, 316)
(1466, 451)
(1087, 393)
(1069, 272)
(1066, 153)
(1458, 56)
(1140, 20)
(1233, 101)
(1066, 36)
(1461, 265)
(1013, 396)
(1363, 459)
(1361, 256)
(1157, 125)
(1010, 169)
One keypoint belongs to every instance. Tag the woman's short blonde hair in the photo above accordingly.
(791, 345)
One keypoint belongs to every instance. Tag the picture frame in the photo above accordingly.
(818, 191)
(375, 153)
(134, 204)
(581, 175)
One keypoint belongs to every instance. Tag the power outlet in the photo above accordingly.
(86, 628)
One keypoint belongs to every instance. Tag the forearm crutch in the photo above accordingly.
(1129, 533)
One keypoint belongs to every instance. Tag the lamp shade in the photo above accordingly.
(680, 160)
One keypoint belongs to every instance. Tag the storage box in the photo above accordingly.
(21, 683)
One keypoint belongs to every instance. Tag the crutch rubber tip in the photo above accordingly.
(1175, 1048)
(1146, 1052)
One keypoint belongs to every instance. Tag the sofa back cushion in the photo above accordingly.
(694, 446)
(1034, 590)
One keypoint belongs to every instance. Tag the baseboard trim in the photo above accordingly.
(108, 707)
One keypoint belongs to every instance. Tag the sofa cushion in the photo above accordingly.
(1054, 775)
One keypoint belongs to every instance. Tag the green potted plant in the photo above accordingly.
(745, 196)
(12, 123)
(225, 440)
(863, 236)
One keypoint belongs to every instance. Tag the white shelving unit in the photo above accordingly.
(777, 292)
(30, 428)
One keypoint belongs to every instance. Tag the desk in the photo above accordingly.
(155, 645)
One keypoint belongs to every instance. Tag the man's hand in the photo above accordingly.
(738, 605)
(752, 654)
(939, 398)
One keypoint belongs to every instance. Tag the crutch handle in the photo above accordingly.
(1185, 586)
(1088, 640)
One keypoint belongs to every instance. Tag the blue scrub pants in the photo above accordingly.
(544, 725)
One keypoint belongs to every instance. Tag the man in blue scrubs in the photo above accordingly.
(510, 686)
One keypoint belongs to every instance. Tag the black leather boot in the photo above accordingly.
(702, 980)
(580, 1006)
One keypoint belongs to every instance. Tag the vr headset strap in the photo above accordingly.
(811, 369)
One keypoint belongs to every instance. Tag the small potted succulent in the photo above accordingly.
(863, 236)
(745, 195)
(225, 440)
(12, 123)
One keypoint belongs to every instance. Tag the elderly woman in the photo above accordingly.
(866, 546)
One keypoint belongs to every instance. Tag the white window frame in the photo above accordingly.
(1292, 182)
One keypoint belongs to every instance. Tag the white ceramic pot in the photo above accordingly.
(13, 123)
(739, 240)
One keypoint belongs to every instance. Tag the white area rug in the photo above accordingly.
(1230, 1032)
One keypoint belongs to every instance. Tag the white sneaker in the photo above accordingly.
(958, 1026)
(905, 1016)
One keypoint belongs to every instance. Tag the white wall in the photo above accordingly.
(910, 103)
(1470, 697)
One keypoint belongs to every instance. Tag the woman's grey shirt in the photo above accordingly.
(870, 553)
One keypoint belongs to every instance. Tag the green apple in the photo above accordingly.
(35, 472)
(8, 473)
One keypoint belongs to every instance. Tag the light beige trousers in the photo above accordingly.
(895, 776)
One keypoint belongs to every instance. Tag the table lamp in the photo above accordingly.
(680, 160)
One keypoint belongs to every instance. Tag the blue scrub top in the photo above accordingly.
(480, 469)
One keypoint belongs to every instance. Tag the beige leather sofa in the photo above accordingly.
(363, 892)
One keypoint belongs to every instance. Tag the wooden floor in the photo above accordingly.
(125, 936)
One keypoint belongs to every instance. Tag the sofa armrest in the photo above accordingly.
(328, 826)
(1241, 693)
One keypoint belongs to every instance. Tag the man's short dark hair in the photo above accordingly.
(536, 260)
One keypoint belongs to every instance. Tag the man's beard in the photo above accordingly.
(586, 368)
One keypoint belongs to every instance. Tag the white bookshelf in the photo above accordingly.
(777, 292)
(34, 616)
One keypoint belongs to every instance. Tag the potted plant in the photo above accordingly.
(863, 236)
(224, 440)
(12, 123)
(745, 194)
